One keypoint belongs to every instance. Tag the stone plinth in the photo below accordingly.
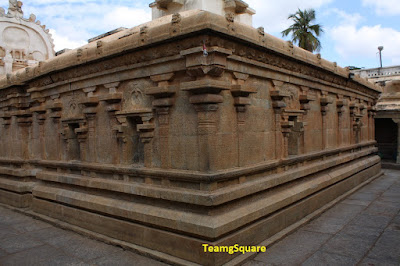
(180, 133)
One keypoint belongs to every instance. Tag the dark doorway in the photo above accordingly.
(386, 136)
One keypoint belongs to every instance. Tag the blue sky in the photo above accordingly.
(353, 28)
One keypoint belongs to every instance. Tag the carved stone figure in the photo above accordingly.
(8, 62)
(15, 9)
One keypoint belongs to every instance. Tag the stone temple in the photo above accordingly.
(194, 128)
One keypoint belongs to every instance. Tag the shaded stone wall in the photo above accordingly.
(144, 137)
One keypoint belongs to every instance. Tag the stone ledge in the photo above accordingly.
(16, 186)
(196, 224)
(190, 248)
(205, 198)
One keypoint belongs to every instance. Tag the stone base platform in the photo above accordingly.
(177, 222)
(16, 186)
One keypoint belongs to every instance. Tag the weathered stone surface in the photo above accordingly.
(184, 132)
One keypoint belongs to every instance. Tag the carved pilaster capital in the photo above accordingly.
(112, 87)
(200, 63)
(324, 101)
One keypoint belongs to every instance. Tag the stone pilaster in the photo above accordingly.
(324, 102)
(54, 113)
(305, 98)
(41, 116)
(241, 96)
(356, 122)
(113, 104)
(339, 109)
(277, 96)
(205, 94)
(90, 111)
(163, 100)
(24, 121)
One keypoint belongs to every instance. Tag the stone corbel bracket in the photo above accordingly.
(163, 93)
(55, 109)
(205, 96)
(90, 105)
(24, 117)
(277, 96)
(80, 132)
(286, 124)
(241, 92)
(305, 99)
(113, 98)
(213, 64)
(371, 111)
(289, 117)
(362, 107)
(353, 109)
(6, 118)
(146, 129)
(324, 102)
(205, 91)
(19, 100)
(357, 123)
(340, 102)
(41, 113)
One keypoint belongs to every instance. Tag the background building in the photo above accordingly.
(380, 75)
(23, 42)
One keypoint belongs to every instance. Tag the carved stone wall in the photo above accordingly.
(184, 133)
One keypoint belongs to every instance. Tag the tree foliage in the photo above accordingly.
(303, 32)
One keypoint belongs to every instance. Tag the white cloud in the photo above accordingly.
(383, 7)
(343, 18)
(62, 41)
(125, 17)
(353, 42)
(73, 22)
(272, 14)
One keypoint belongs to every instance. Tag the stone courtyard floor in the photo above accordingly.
(363, 229)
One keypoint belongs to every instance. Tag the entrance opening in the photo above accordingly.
(73, 149)
(134, 153)
(294, 137)
(386, 136)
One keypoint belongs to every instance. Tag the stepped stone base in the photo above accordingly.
(250, 219)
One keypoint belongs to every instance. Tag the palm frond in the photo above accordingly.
(302, 31)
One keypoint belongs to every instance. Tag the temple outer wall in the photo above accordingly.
(142, 133)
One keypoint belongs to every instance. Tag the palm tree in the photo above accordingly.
(302, 30)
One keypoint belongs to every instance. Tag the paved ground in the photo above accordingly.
(26, 241)
(364, 229)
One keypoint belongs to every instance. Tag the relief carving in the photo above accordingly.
(134, 97)
(292, 101)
